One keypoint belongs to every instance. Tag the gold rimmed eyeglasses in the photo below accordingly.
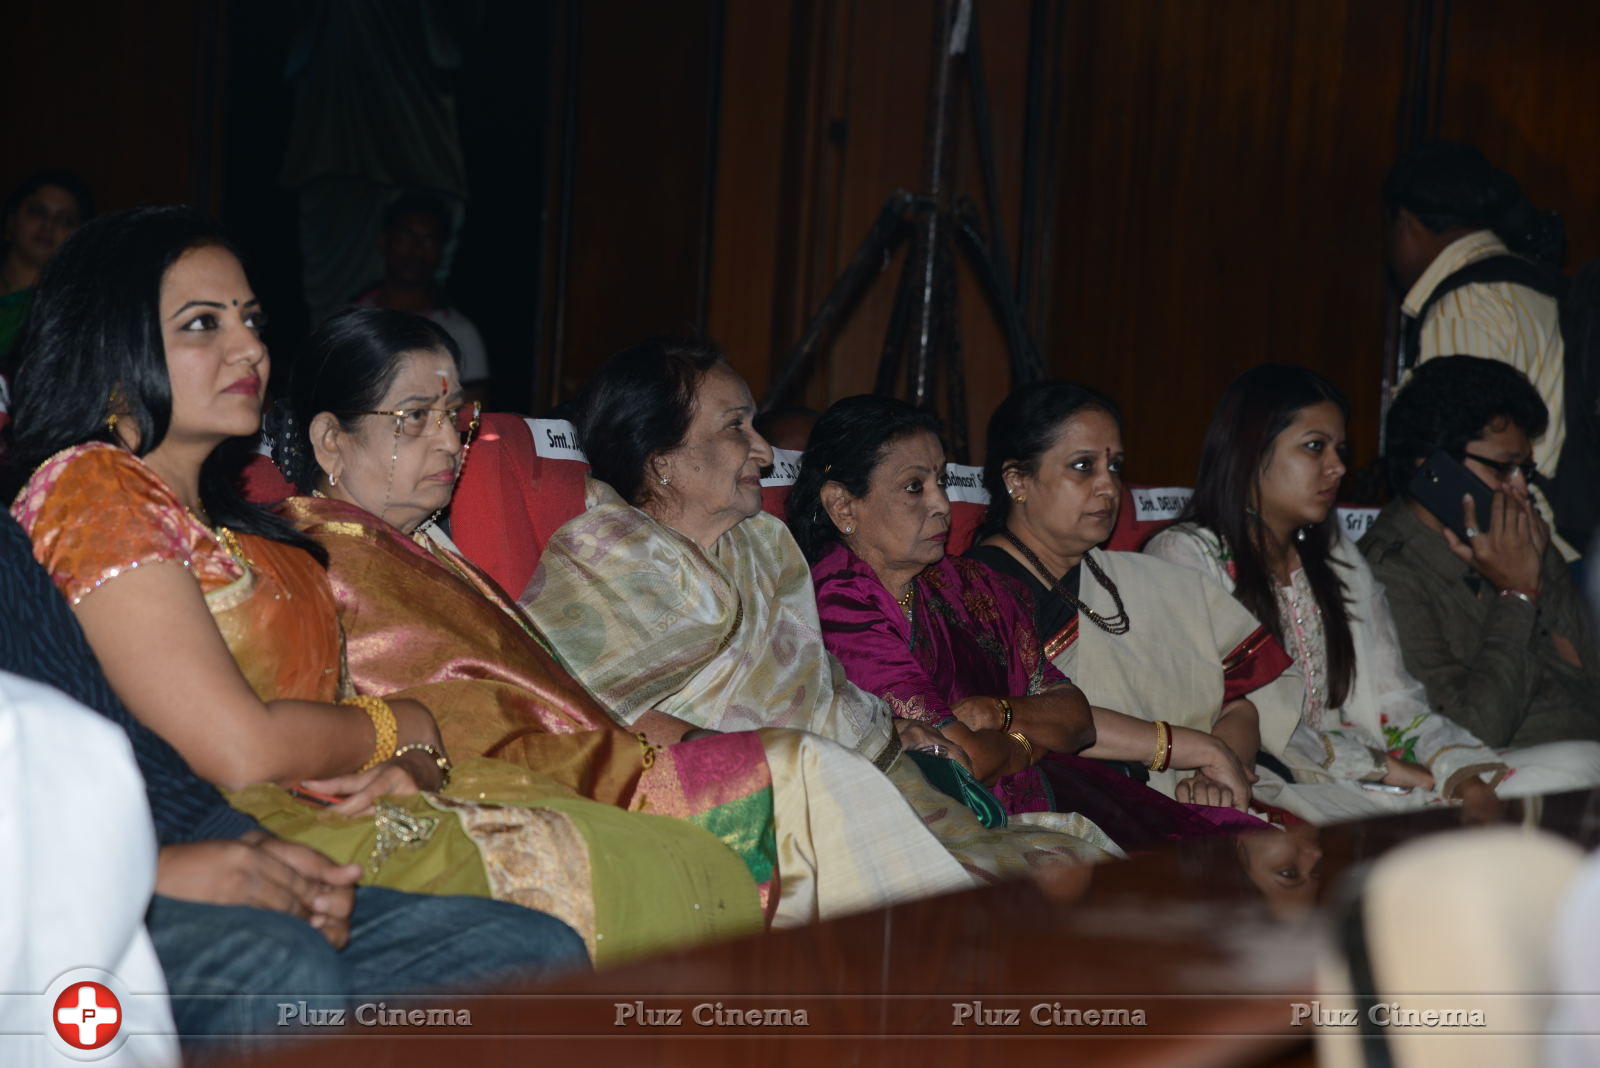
(417, 422)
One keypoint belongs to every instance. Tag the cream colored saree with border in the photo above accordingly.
(729, 640)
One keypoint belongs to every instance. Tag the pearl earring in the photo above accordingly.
(850, 529)
(1300, 535)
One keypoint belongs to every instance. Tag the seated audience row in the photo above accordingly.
(1268, 478)
(236, 656)
(696, 721)
(617, 839)
(683, 606)
(420, 622)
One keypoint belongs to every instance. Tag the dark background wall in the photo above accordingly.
(1205, 195)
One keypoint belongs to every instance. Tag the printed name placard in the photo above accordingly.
(1355, 522)
(1158, 504)
(556, 439)
(785, 467)
(965, 484)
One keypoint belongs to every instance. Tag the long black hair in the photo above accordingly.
(1449, 185)
(638, 405)
(348, 364)
(94, 333)
(846, 446)
(1253, 411)
(1023, 429)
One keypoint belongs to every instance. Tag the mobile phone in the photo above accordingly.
(1385, 788)
(313, 798)
(1439, 485)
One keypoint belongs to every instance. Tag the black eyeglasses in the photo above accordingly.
(1503, 468)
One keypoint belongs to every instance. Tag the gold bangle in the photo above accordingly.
(1022, 740)
(1163, 755)
(440, 761)
(1005, 706)
(386, 732)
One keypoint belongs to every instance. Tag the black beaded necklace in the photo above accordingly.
(1117, 624)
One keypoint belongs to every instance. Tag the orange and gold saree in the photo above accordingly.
(629, 883)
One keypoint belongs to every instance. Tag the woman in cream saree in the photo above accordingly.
(659, 625)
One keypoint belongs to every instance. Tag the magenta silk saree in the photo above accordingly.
(971, 633)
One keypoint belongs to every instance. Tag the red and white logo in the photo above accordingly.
(87, 1015)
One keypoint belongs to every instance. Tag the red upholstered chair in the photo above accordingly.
(775, 487)
(775, 499)
(264, 483)
(968, 503)
(522, 481)
(1144, 512)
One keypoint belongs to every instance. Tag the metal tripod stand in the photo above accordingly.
(925, 323)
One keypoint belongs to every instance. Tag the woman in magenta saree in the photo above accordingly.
(952, 644)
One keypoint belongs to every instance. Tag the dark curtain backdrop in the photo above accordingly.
(1204, 196)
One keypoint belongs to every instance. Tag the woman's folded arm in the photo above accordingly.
(165, 658)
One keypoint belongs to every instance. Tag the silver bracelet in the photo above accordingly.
(1519, 595)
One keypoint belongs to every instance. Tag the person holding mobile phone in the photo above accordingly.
(1489, 618)
(1262, 523)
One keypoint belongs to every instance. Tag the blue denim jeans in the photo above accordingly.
(235, 971)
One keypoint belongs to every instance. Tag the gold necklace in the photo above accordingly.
(230, 540)
(907, 599)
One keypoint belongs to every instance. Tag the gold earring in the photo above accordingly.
(111, 422)
(1019, 497)
(664, 480)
